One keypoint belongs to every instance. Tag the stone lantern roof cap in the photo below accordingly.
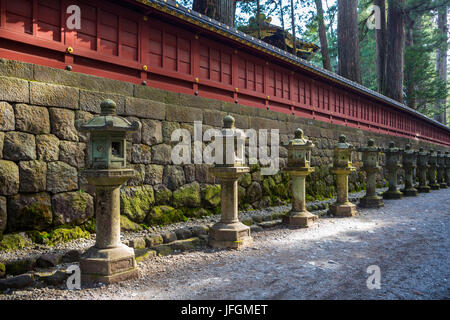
(343, 144)
(108, 120)
(392, 148)
(370, 147)
(408, 149)
(300, 140)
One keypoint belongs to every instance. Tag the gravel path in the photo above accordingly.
(408, 239)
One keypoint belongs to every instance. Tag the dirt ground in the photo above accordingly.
(408, 239)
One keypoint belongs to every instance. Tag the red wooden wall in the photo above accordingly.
(120, 43)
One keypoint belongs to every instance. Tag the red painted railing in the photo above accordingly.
(151, 42)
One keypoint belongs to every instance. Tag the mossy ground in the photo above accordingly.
(58, 235)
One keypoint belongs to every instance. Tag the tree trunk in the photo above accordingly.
(323, 36)
(348, 41)
(395, 50)
(258, 21)
(380, 37)
(441, 62)
(220, 10)
(294, 45)
(410, 87)
(280, 3)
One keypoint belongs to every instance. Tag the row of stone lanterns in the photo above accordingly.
(110, 261)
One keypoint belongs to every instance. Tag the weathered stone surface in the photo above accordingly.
(47, 147)
(183, 233)
(199, 230)
(72, 153)
(211, 196)
(9, 178)
(146, 92)
(90, 101)
(154, 174)
(3, 214)
(139, 177)
(134, 136)
(203, 174)
(183, 114)
(29, 211)
(7, 117)
(213, 118)
(137, 243)
(153, 240)
(61, 177)
(19, 146)
(143, 254)
(173, 177)
(71, 256)
(143, 108)
(187, 196)
(32, 119)
(14, 90)
(16, 69)
(17, 282)
(167, 128)
(72, 208)
(136, 202)
(254, 192)
(128, 225)
(33, 176)
(54, 95)
(169, 237)
(162, 154)
(63, 124)
(2, 139)
(141, 153)
(48, 260)
(83, 117)
(245, 180)
(189, 172)
(163, 195)
(151, 132)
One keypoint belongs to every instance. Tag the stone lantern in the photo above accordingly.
(409, 164)
(370, 158)
(230, 232)
(392, 165)
(342, 167)
(441, 179)
(108, 260)
(298, 167)
(422, 168)
(447, 167)
(433, 165)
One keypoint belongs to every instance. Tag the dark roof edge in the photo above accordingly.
(196, 18)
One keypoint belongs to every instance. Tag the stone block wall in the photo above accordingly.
(42, 154)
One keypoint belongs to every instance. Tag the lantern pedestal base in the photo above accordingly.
(371, 202)
(423, 189)
(108, 265)
(411, 192)
(435, 186)
(395, 194)
(229, 235)
(304, 219)
(347, 209)
(443, 185)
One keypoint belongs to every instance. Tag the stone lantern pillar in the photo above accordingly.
(342, 168)
(230, 232)
(298, 167)
(370, 158)
(392, 166)
(441, 179)
(422, 167)
(447, 167)
(432, 162)
(409, 164)
(108, 260)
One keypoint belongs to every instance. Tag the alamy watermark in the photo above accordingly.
(374, 280)
(374, 20)
(227, 146)
(73, 21)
